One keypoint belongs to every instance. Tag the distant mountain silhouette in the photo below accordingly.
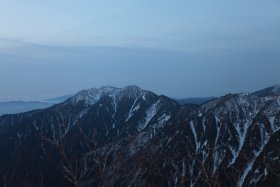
(60, 98)
(194, 100)
(13, 107)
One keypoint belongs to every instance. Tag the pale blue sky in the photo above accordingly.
(179, 48)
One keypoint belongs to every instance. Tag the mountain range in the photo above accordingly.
(14, 107)
(132, 137)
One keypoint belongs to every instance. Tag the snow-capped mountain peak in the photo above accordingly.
(93, 95)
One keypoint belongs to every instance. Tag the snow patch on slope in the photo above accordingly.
(263, 141)
(162, 120)
(241, 130)
(133, 109)
(150, 113)
(197, 143)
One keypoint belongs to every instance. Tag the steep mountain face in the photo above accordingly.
(219, 143)
(48, 142)
(131, 137)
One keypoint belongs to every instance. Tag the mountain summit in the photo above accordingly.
(131, 137)
(91, 96)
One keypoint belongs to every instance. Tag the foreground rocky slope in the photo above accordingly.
(131, 137)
